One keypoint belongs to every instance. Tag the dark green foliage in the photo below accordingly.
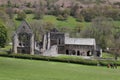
(9, 4)
(28, 11)
(3, 16)
(62, 59)
(112, 13)
(3, 35)
(106, 11)
(117, 3)
(102, 30)
(28, 4)
(21, 16)
(115, 49)
(61, 18)
(56, 59)
(38, 14)
(63, 15)
(56, 11)
(89, 14)
(80, 18)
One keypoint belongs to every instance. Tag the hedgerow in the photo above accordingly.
(94, 62)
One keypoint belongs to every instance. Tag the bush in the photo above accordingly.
(62, 59)
(61, 18)
(28, 11)
(80, 18)
(21, 16)
(38, 14)
(89, 14)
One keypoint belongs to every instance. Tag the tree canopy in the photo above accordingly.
(102, 30)
(3, 35)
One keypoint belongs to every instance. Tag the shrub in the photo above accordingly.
(21, 16)
(38, 13)
(62, 59)
(28, 11)
(61, 18)
(80, 18)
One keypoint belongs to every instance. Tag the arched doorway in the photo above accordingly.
(89, 53)
(67, 52)
(78, 53)
(73, 52)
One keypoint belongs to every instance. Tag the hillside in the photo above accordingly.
(66, 2)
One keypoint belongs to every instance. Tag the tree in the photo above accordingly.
(79, 27)
(49, 3)
(10, 12)
(48, 26)
(115, 49)
(39, 11)
(77, 30)
(38, 29)
(28, 4)
(3, 16)
(56, 11)
(113, 13)
(89, 14)
(80, 18)
(75, 10)
(63, 15)
(3, 35)
(65, 29)
(38, 14)
(9, 4)
(21, 15)
(102, 30)
(61, 18)
(11, 27)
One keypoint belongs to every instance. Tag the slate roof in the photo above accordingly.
(80, 41)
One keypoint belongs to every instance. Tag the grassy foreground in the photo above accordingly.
(20, 69)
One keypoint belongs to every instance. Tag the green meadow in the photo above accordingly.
(20, 69)
(70, 22)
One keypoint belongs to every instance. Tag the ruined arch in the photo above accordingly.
(73, 52)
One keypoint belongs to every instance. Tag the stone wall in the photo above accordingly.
(53, 51)
(79, 50)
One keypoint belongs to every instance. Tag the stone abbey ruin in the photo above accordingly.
(53, 43)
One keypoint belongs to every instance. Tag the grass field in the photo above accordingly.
(19, 69)
(71, 22)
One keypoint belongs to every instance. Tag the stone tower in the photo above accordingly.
(23, 39)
